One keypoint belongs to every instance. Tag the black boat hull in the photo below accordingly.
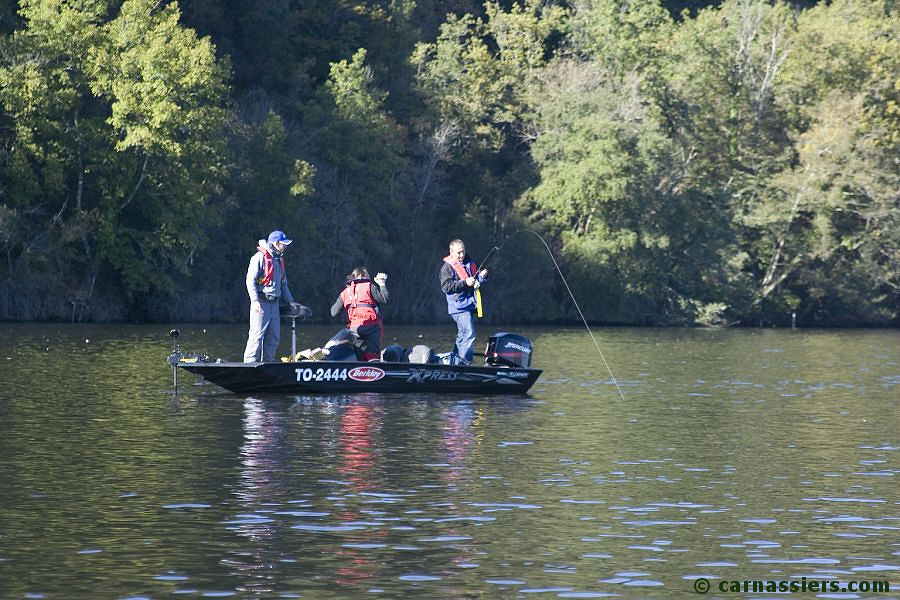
(326, 377)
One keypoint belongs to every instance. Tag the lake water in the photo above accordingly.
(769, 455)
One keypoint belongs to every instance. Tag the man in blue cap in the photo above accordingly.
(267, 286)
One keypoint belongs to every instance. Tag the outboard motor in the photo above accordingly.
(508, 350)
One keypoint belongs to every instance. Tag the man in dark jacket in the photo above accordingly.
(460, 278)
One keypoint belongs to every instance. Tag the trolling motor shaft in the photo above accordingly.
(300, 312)
(175, 358)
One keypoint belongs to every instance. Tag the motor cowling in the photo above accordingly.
(508, 350)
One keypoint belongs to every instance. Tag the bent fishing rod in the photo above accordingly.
(568, 289)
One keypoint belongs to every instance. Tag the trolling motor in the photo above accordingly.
(175, 357)
(297, 312)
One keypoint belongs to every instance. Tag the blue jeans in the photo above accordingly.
(465, 335)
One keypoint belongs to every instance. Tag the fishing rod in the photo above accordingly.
(481, 264)
(568, 289)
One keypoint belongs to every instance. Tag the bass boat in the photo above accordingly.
(506, 370)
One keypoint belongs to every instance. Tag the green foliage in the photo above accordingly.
(268, 183)
(476, 80)
(837, 197)
(618, 185)
(116, 140)
(477, 73)
(625, 36)
(735, 162)
(357, 150)
(166, 95)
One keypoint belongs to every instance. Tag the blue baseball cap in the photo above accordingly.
(278, 236)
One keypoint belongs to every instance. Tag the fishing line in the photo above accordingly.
(571, 295)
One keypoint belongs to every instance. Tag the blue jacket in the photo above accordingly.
(460, 297)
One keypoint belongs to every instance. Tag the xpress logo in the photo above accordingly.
(423, 375)
(365, 374)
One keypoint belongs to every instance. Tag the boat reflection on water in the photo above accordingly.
(360, 424)
(259, 452)
(461, 432)
(339, 482)
(261, 461)
(358, 433)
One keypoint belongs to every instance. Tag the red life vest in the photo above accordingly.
(463, 271)
(359, 303)
(269, 266)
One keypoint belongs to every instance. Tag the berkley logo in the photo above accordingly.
(365, 374)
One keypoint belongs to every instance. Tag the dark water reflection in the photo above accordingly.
(734, 455)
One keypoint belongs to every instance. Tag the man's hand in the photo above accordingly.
(300, 310)
(255, 307)
(381, 278)
(483, 273)
(470, 281)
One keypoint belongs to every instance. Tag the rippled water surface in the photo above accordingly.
(734, 455)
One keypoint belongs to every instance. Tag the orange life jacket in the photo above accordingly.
(269, 267)
(359, 303)
(463, 271)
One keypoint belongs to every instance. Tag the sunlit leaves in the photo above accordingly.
(118, 118)
(479, 71)
(164, 83)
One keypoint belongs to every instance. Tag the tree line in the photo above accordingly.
(689, 163)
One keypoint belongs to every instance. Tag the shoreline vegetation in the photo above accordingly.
(690, 163)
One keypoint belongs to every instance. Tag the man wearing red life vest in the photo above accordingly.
(459, 278)
(267, 286)
(361, 298)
